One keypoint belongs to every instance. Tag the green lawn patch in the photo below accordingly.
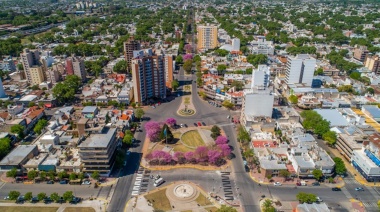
(27, 209)
(192, 139)
(79, 209)
(211, 209)
(202, 200)
(159, 200)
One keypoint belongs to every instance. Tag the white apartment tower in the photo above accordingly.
(300, 69)
(260, 77)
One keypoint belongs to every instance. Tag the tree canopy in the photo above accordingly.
(65, 91)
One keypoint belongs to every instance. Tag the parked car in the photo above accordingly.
(277, 184)
(86, 182)
(195, 124)
(34, 200)
(359, 189)
(199, 124)
(6, 198)
(204, 124)
(182, 125)
(75, 200)
(336, 189)
(319, 199)
(50, 182)
(47, 200)
(185, 125)
(316, 184)
(63, 182)
(298, 184)
(20, 200)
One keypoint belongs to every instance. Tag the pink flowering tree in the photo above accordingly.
(201, 154)
(213, 156)
(162, 156)
(189, 156)
(171, 122)
(187, 57)
(221, 140)
(225, 149)
(153, 129)
(179, 157)
(188, 47)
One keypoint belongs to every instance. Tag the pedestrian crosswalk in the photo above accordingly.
(350, 181)
(370, 204)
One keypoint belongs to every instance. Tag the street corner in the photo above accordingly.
(110, 181)
(6, 179)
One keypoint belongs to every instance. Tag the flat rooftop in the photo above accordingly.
(17, 155)
(333, 116)
(99, 140)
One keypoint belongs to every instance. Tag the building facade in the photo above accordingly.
(169, 67)
(148, 75)
(29, 58)
(372, 63)
(75, 66)
(130, 46)
(300, 69)
(360, 53)
(36, 75)
(207, 37)
(260, 77)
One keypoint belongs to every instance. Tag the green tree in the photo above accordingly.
(139, 113)
(28, 196)
(65, 91)
(330, 137)
(68, 195)
(197, 58)
(355, 75)
(340, 167)
(41, 124)
(243, 135)
(293, 99)
(13, 195)
(5, 146)
(303, 197)
(284, 173)
(19, 130)
(43, 175)
(31, 104)
(133, 104)
(128, 137)
(51, 174)
(227, 104)
(175, 84)
(215, 132)
(187, 65)
(73, 176)
(63, 174)
(41, 196)
(221, 68)
(179, 59)
(168, 137)
(370, 90)
(221, 52)
(317, 173)
(12, 173)
(268, 206)
(121, 67)
(226, 208)
(32, 174)
(95, 175)
(54, 196)
(81, 176)
(238, 85)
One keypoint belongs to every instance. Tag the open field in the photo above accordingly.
(159, 200)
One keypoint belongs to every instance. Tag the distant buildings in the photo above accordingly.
(148, 74)
(7, 64)
(360, 53)
(300, 69)
(261, 46)
(75, 66)
(33, 68)
(130, 46)
(207, 37)
(372, 63)
(260, 77)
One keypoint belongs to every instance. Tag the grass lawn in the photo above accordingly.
(27, 209)
(211, 209)
(181, 148)
(79, 209)
(193, 139)
(25, 41)
(202, 200)
(159, 200)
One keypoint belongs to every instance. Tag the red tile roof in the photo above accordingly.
(263, 143)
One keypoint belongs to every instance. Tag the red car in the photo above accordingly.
(199, 124)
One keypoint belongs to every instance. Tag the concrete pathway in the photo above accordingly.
(206, 137)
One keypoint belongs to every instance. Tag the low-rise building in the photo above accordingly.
(18, 157)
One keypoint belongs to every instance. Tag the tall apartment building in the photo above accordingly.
(207, 37)
(372, 63)
(148, 75)
(169, 66)
(75, 66)
(300, 69)
(260, 77)
(360, 53)
(130, 46)
(29, 59)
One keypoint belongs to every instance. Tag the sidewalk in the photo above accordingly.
(260, 178)
(96, 205)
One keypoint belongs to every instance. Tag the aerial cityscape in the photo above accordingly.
(189, 106)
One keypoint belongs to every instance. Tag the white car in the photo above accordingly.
(6, 198)
(86, 182)
(277, 184)
(319, 199)
(181, 125)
